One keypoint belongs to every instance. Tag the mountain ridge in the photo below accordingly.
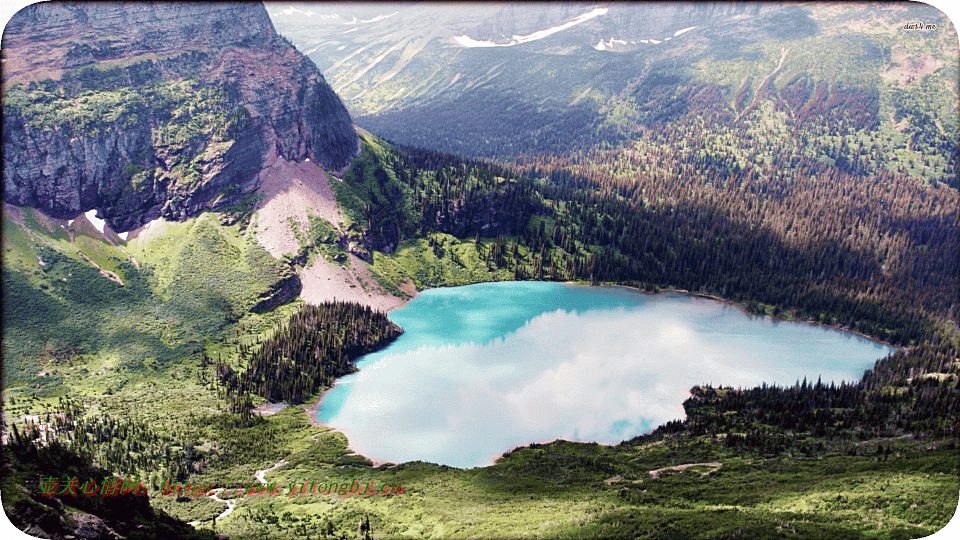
(409, 77)
(126, 122)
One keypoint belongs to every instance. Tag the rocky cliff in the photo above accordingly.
(147, 110)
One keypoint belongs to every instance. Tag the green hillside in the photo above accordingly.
(63, 319)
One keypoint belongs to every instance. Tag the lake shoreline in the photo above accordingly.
(742, 308)
(739, 305)
(313, 408)
(498, 457)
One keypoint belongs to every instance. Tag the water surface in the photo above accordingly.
(483, 368)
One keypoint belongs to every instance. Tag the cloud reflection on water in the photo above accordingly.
(603, 375)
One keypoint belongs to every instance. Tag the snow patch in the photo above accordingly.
(544, 33)
(467, 41)
(98, 223)
(603, 45)
(123, 236)
(291, 10)
(380, 17)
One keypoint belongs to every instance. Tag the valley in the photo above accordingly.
(201, 240)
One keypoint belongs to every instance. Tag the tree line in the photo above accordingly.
(317, 344)
(812, 242)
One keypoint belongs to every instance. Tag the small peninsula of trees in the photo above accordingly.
(316, 345)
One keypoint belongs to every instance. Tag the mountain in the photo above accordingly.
(141, 112)
(166, 163)
(382, 56)
(505, 80)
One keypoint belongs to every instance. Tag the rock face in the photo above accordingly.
(148, 110)
(285, 290)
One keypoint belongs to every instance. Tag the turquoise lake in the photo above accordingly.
(483, 368)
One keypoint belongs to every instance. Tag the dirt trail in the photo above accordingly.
(715, 464)
(260, 474)
(231, 504)
(105, 273)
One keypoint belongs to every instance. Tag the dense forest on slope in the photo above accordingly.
(884, 406)
(33, 468)
(871, 256)
(835, 123)
(314, 347)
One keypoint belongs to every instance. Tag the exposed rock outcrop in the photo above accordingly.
(90, 526)
(149, 110)
(285, 290)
